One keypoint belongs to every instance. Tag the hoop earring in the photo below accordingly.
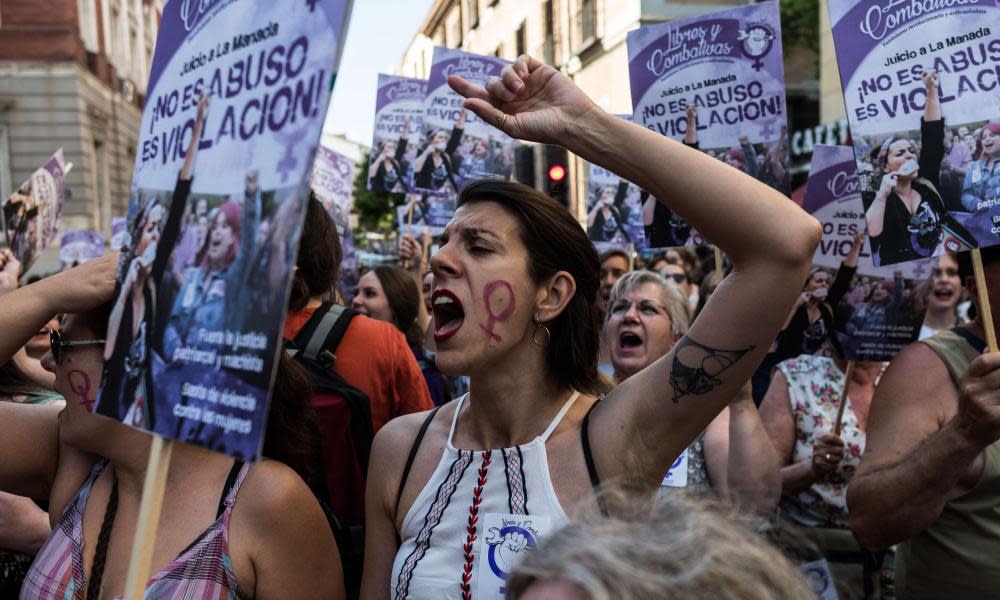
(534, 335)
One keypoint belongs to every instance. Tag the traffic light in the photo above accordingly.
(556, 161)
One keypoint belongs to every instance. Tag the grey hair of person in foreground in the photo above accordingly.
(676, 546)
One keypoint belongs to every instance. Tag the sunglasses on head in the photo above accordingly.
(59, 345)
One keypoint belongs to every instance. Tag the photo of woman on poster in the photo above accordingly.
(438, 164)
(128, 348)
(604, 221)
(981, 188)
(388, 171)
(907, 217)
(21, 217)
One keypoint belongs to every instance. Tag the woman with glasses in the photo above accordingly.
(732, 456)
(811, 321)
(228, 529)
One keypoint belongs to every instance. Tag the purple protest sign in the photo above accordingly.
(31, 214)
(456, 145)
(879, 310)
(726, 65)
(214, 220)
(615, 210)
(333, 181)
(399, 121)
(77, 247)
(927, 148)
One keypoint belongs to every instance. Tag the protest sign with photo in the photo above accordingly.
(457, 146)
(333, 181)
(399, 121)
(77, 247)
(920, 85)
(31, 214)
(717, 83)
(425, 213)
(877, 310)
(615, 210)
(237, 95)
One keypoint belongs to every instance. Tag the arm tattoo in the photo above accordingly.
(697, 367)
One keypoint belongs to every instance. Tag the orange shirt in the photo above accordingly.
(374, 357)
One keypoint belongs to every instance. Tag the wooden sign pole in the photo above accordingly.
(984, 300)
(842, 404)
(153, 489)
(718, 263)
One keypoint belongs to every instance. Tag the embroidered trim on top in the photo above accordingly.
(431, 520)
(477, 499)
(514, 470)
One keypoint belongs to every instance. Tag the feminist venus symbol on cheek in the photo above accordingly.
(504, 303)
(79, 382)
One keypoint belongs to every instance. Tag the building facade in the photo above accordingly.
(586, 40)
(73, 75)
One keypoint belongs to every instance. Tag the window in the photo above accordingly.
(585, 24)
(521, 39)
(87, 10)
(472, 10)
(548, 24)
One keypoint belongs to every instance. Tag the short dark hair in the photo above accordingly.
(612, 252)
(318, 265)
(555, 242)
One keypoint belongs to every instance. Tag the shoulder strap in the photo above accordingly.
(227, 489)
(319, 337)
(588, 457)
(413, 454)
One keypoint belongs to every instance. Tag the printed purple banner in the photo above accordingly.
(31, 214)
(727, 67)
(927, 147)
(213, 224)
(399, 121)
(615, 215)
(333, 181)
(77, 247)
(878, 310)
(456, 146)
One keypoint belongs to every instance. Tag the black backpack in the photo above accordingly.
(343, 439)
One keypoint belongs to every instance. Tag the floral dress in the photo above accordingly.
(814, 387)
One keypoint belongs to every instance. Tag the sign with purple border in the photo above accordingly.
(728, 66)
(203, 283)
(927, 152)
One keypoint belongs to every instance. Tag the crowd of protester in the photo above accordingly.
(516, 371)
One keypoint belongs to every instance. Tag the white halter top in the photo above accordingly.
(479, 511)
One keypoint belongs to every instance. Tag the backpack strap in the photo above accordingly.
(321, 335)
(413, 455)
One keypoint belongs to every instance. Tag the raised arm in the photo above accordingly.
(654, 415)
(691, 135)
(918, 457)
(24, 311)
(199, 123)
(742, 462)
